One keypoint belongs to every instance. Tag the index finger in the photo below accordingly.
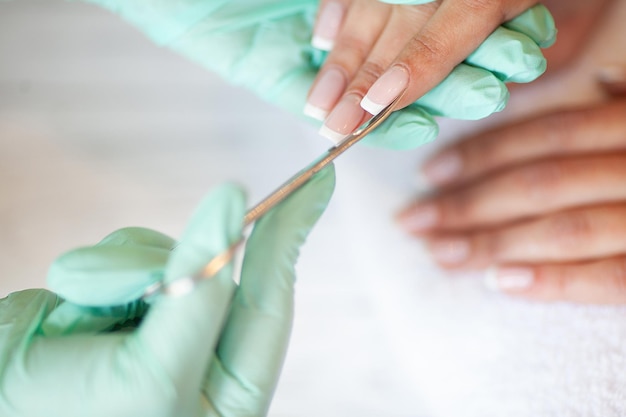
(451, 35)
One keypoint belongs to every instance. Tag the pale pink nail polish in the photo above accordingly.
(420, 218)
(327, 26)
(443, 168)
(325, 94)
(509, 278)
(345, 117)
(385, 89)
(450, 251)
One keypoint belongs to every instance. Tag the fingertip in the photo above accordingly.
(335, 137)
(386, 89)
(323, 44)
(106, 275)
(537, 23)
(274, 245)
(302, 209)
(214, 226)
(443, 168)
(613, 79)
(138, 236)
(328, 25)
(468, 93)
(509, 279)
(510, 55)
(371, 107)
(314, 112)
(406, 129)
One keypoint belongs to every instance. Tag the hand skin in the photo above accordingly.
(544, 201)
(370, 38)
(576, 20)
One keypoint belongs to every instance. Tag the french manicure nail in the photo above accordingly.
(345, 117)
(450, 251)
(613, 79)
(509, 279)
(325, 94)
(612, 74)
(385, 89)
(444, 167)
(419, 218)
(327, 26)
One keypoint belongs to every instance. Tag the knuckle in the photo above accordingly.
(560, 129)
(460, 208)
(572, 230)
(368, 73)
(541, 182)
(484, 154)
(429, 46)
(353, 51)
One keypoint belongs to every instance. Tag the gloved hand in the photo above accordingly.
(449, 56)
(217, 351)
(264, 45)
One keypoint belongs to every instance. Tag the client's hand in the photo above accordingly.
(216, 351)
(544, 201)
(265, 46)
(456, 48)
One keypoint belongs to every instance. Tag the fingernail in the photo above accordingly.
(612, 74)
(345, 117)
(325, 94)
(444, 167)
(509, 279)
(385, 90)
(613, 79)
(327, 26)
(419, 218)
(450, 251)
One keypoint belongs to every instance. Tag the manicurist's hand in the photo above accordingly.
(95, 348)
(379, 49)
(542, 201)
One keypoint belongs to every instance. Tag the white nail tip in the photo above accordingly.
(335, 137)
(322, 43)
(371, 107)
(315, 112)
(509, 279)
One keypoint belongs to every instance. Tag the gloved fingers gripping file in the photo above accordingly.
(184, 285)
(217, 351)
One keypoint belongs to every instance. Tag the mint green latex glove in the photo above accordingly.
(264, 45)
(511, 53)
(217, 351)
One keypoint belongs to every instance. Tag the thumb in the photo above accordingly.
(116, 271)
(102, 284)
